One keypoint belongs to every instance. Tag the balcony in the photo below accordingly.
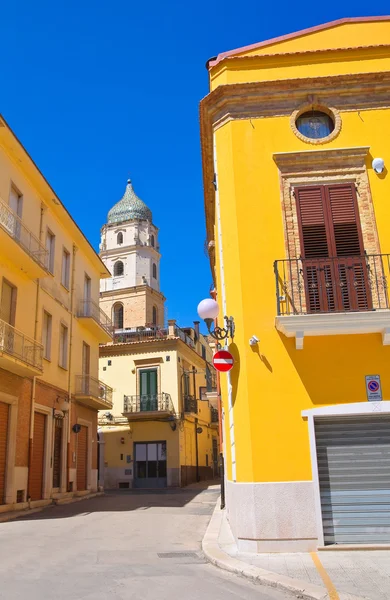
(95, 320)
(148, 406)
(333, 296)
(19, 353)
(20, 244)
(214, 416)
(190, 405)
(152, 333)
(93, 393)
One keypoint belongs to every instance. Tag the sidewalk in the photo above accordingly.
(327, 575)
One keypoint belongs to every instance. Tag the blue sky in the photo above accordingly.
(100, 91)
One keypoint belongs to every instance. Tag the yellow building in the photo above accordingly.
(50, 330)
(163, 428)
(295, 158)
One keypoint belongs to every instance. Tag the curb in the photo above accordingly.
(216, 555)
(11, 516)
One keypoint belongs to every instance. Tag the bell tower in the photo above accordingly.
(130, 250)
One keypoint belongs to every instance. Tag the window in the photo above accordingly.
(203, 351)
(334, 267)
(63, 357)
(152, 240)
(315, 124)
(118, 268)
(50, 247)
(119, 238)
(154, 271)
(155, 315)
(65, 274)
(46, 335)
(8, 302)
(118, 315)
(15, 201)
(87, 287)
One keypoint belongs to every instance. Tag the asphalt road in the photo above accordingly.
(124, 545)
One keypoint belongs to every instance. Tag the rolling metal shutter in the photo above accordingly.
(4, 412)
(353, 457)
(82, 458)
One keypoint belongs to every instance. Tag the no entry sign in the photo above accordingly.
(223, 361)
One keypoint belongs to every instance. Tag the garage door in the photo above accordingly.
(4, 412)
(353, 457)
(82, 458)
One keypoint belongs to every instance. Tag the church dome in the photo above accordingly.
(129, 207)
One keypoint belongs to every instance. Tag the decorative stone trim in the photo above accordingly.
(333, 113)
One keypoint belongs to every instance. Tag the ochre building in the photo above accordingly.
(50, 330)
(295, 157)
(163, 428)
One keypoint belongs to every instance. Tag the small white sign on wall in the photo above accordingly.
(373, 388)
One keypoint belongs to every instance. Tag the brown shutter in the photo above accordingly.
(346, 237)
(82, 458)
(4, 412)
(35, 483)
(312, 221)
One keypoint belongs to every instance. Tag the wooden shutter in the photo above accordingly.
(334, 269)
(82, 458)
(345, 234)
(312, 221)
(35, 483)
(4, 415)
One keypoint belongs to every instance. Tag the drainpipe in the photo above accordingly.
(72, 286)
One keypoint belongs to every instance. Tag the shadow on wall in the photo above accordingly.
(333, 368)
(235, 372)
(256, 350)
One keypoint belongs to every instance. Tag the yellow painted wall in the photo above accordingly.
(348, 36)
(17, 168)
(274, 383)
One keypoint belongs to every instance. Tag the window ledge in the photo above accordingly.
(313, 325)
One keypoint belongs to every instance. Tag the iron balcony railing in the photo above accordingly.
(214, 415)
(329, 285)
(20, 346)
(90, 386)
(148, 403)
(139, 334)
(14, 226)
(190, 404)
(89, 308)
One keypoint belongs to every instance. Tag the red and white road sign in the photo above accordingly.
(223, 361)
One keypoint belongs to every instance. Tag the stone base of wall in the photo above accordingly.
(272, 517)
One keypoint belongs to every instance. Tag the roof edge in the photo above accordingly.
(212, 62)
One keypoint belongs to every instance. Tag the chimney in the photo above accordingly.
(196, 327)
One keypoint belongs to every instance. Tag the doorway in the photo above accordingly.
(150, 465)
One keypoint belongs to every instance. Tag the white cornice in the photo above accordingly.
(299, 326)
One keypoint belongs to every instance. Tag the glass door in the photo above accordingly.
(150, 465)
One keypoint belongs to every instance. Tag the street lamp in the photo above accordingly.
(208, 310)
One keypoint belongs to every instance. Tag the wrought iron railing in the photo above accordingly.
(89, 308)
(139, 334)
(329, 285)
(14, 226)
(148, 403)
(214, 414)
(20, 346)
(90, 386)
(190, 404)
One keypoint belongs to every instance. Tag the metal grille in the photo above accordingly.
(353, 457)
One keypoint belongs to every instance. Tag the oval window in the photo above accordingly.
(315, 124)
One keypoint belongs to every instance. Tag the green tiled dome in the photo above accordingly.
(130, 207)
